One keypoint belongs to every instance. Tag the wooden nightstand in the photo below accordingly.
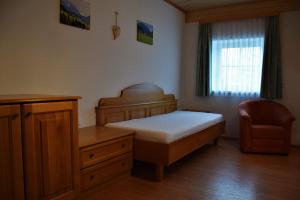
(105, 153)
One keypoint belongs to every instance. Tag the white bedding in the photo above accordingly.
(169, 127)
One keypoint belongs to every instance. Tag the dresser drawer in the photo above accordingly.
(105, 171)
(103, 151)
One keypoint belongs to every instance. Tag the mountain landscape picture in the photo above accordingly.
(144, 32)
(75, 13)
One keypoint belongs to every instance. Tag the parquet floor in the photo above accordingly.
(219, 172)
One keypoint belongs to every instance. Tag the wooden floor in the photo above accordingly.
(214, 172)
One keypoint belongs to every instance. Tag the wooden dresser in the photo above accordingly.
(105, 153)
(38, 147)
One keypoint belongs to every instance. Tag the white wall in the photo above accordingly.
(40, 55)
(290, 32)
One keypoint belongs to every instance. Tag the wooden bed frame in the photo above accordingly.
(144, 100)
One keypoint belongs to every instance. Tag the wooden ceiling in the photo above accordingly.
(192, 5)
(207, 11)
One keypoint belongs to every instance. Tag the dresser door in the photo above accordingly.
(51, 150)
(11, 167)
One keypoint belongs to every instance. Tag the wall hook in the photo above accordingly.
(116, 29)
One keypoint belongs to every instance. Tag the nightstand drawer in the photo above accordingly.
(105, 171)
(103, 151)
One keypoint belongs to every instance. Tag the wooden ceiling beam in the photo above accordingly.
(242, 11)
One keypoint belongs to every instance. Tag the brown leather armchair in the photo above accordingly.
(265, 127)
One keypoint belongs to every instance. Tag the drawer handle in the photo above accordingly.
(91, 156)
(91, 177)
(123, 145)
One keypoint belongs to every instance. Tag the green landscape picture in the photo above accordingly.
(75, 13)
(144, 32)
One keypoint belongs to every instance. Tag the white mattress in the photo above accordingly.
(169, 127)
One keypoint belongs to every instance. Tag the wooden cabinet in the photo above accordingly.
(11, 166)
(105, 153)
(47, 143)
(50, 141)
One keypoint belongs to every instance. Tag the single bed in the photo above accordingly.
(169, 127)
(163, 134)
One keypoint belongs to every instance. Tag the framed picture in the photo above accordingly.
(75, 13)
(144, 32)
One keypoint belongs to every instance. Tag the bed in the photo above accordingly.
(163, 134)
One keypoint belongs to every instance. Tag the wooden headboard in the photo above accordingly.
(137, 101)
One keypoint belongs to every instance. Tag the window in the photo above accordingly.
(236, 58)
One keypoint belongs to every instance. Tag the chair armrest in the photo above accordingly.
(245, 115)
(287, 118)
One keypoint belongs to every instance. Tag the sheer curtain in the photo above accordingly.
(236, 59)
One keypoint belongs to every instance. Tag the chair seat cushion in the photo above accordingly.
(268, 131)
